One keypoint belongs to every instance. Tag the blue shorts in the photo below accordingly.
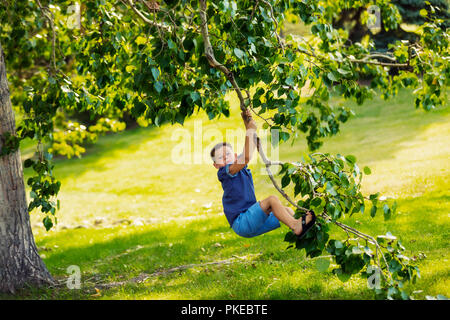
(254, 222)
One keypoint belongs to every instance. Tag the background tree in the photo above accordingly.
(354, 20)
(162, 61)
(19, 260)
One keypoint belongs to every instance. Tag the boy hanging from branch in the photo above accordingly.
(246, 216)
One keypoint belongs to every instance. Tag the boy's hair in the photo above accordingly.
(220, 144)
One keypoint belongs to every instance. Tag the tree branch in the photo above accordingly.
(209, 53)
(49, 16)
(280, 41)
(364, 60)
(386, 64)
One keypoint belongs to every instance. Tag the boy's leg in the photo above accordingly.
(273, 204)
(267, 209)
(282, 213)
(265, 205)
(290, 211)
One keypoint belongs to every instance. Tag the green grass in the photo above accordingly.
(175, 217)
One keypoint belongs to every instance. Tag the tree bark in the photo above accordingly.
(20, 263)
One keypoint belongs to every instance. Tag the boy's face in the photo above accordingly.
(223, 156)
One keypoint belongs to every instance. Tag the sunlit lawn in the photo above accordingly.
(173, 211)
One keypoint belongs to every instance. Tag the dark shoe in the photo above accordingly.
(306, 226)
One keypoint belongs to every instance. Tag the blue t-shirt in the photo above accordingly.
(238, 191)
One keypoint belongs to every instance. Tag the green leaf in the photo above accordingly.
(374, 196)
(316, 202)
(390, 236)
(290, 81)
(344, 277)
(141, 40)
(394, 207)
(322, 264)
(356, 250)
(155, 73)
(387, 211)
(138, 108)
(394, 266)
(290, 237)
(344, 72)
(351, 159)
(285, 181)
(368, 251)
(373, 211)
(332, 76)
(48, 156)
(267, 77)
(158, 86)
(284, 136)
(291, 168)
(195, 96)
(392, 291)
(28, 163)
(179, 118)
(405, 296)
(367, 170)
(239, 53)
(331, 190)
(171, 44)
(48, 224)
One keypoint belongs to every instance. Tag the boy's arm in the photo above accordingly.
(249, 147)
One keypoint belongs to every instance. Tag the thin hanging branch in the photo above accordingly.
(280, 41)
(49, 16)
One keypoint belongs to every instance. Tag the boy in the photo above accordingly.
(246, 216)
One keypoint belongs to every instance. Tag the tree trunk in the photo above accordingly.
(20, 262)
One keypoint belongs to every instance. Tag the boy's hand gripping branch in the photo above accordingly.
(250, 143)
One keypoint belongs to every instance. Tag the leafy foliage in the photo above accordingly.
(43, 188)
(331, 186)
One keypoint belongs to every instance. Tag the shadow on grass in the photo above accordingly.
(163, 247)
